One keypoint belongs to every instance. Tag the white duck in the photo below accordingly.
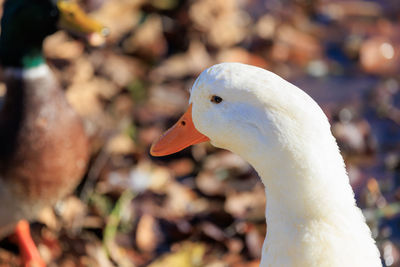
(311, 213)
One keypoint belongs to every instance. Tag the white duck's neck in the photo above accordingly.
(308, 193)
(305, 176)
(297, 192)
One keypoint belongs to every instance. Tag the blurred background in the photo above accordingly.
(204, 206)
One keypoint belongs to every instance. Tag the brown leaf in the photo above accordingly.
(182, 201)
(241, 55)
(71, 209)
(119, 69)
(292, 43)
(59, 46)
(191, 62)
(148, 39)
(148, 234)
(379, 55)
(222, 20)
(120, 144)
(246, 204)
(213, 231)
(184, 255)
(254, 242)
(209, 184)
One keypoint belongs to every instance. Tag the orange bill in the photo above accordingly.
(178, 137)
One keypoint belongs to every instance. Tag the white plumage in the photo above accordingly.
(311, 213)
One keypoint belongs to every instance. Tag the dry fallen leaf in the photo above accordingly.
(254, 242)
(71, 209)
(183, 201)
(379, 55)
(120, 144)
(185, 255)
(192, 62)
(148, 39)
(222, 20)
(60, 46)
(249, 204)
(209, 184)
(148, 235)
(299, 46)
(241, 55)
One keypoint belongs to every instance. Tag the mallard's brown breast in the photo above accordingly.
(43, 146)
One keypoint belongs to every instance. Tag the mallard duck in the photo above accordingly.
(43, 146)
(311, 212)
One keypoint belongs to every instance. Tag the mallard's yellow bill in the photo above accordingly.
(75, 20)
(178, 137)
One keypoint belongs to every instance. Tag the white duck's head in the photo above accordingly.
(249, 111)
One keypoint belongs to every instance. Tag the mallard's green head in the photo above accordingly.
(26, 23)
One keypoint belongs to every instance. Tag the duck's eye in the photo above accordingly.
(216, 99)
